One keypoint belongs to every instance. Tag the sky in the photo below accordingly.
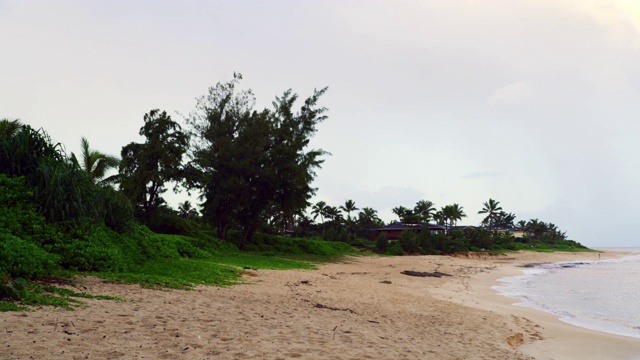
(535, 103)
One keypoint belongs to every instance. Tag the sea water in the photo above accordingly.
(599, 295)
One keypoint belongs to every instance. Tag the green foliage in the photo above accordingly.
(63, 193)
(20, 258)
(15, 289)
(285, 245)
(382, 242)
(394, 249)
(165, 222)
(409, 242)
(177, 273)
(256, 261)
(253, 165)
(146, 167)
(94, 163)
(335, 232)
(10, 306)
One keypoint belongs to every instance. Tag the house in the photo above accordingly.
(516, 232)
(393, 230)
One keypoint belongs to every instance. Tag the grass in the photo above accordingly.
(176, 274)
(11, 306)
(222, 270)
(39, 294)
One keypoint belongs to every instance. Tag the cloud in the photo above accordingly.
(515, 93)
(482, 175)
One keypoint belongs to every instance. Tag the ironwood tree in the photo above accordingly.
(146, 167)
(253, 165)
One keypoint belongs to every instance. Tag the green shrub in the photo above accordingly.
(15, 289)
(284, 245)
(382, 242)
(409, 241)
(394, 249)
(20, 258)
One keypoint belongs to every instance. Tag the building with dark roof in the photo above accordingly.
(393, 230)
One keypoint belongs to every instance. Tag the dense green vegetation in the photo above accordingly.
(59, 216)
(63, 214)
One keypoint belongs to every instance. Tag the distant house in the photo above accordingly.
(393, 230)
(514, 231)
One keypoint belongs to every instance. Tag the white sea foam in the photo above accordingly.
(598, 295)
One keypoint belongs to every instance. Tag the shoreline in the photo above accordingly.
(362, 308)
(552, 337)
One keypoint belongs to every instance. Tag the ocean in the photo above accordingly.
(599, 295)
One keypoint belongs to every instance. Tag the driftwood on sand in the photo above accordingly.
(436, 274)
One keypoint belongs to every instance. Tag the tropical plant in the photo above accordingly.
(404, 214)
(333, 213)
(368, 217)
(95, 163)
(452, 213)
(522, 225)
(319, 209)
(146, 168)
(348, 207)
(424, 209)
(9, 128)
(491, 208)
(187, 211)
(504, 219)
(440, 218)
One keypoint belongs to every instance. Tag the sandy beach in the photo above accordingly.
(363, 308)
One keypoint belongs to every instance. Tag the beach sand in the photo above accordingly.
(363, 308)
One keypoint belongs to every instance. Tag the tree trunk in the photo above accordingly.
(247, 234)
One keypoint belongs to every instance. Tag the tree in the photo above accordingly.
(404, 214)
(368, 217)
(424, 209)
(503, 219)
(319, 209)
(247, 162)
(491, 208)
(452, 213)
(9, 128)
(349, 206)
(146, 168)
(522, 225)
(187, 211)
(333, 213)
(95, 163)
(440, 218)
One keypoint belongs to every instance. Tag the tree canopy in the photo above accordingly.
(247, 161)
(145, 168)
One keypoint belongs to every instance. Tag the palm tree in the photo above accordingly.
(349, 206)
(95, 163)
(333, 213)
(522, 226)
(457, 213)
(319, 209)
(452, 213)
(186, 210)
(424, 209)
(368, 216)
(491, 208)
(402, 212)
(440, 218)
(8, 128)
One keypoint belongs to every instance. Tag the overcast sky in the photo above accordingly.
(533, 103)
